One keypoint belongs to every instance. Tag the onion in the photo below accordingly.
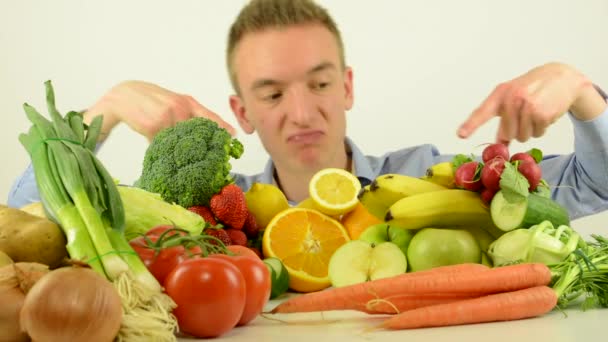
(72, 304)
(15, 281)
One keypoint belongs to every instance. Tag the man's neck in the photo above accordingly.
(295, 184)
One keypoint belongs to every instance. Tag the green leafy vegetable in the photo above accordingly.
(543, 189)
(513, 184)
(189, 163)
(536, 154)
(460, 159)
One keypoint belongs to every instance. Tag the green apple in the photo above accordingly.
(383, 232)
(433, 247)
(358, 261)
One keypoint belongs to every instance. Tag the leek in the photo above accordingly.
(81, 196)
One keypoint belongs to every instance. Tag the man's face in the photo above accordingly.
(294, 93)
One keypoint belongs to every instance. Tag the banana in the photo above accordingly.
(445, 208)
(442, 174)
(389, 188)
(371, 202)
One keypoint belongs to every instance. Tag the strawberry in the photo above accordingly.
(250, 228)
(205, 213)
(237, 236)
(229, 206)
(220, 234)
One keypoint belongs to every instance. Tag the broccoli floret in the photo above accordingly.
(189, 162)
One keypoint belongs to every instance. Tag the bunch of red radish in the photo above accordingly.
(484, 177)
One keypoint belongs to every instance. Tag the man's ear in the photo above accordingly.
(348, 88)
(236, 104)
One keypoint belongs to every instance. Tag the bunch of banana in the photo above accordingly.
(445, 208)
(442, 174)
(387, 189)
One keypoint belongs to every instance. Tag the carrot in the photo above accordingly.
(455, 283)
(399, 303)
(519, 304)
(356, 297)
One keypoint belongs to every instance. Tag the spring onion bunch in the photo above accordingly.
(81, 196)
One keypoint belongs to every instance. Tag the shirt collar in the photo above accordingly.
(361, 166)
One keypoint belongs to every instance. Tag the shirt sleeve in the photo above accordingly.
(579, 181)
(24, 189)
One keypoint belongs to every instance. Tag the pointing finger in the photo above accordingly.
(487, 110)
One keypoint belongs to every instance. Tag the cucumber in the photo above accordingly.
(533, 210)
(279, 277)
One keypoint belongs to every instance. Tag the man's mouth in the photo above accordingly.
(308, 137)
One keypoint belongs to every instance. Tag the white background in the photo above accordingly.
(420, 67)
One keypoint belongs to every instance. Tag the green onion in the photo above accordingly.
(81, 196)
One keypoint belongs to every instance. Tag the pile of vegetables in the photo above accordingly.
(80, 195)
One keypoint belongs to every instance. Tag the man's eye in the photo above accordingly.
(321, 85)
(273, 97)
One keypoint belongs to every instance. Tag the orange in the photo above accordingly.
(356, 220)
(304, 240)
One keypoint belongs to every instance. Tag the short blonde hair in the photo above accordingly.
(259, 15)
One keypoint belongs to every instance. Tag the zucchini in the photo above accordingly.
(533, 210)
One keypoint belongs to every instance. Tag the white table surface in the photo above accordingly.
(570, 325)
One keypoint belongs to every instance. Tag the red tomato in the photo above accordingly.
(242, 251)
(257, 281)
(210, 295)
(162, 263)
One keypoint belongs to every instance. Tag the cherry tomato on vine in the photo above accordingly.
(160, 262)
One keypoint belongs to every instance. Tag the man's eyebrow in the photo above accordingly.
(265, 82)
(321, 67)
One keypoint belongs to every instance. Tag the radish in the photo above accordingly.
(487, 195)
(466, 176)
(532, 172)
(491, 172)
(495, 150)
(523, 157)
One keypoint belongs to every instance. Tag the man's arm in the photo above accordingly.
(146, 108)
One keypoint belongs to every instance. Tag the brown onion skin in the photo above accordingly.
(72, 304)
(11, 299)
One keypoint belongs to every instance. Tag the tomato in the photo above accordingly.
(243, 251)
(210, 294)
(162, 262)
(257, 283)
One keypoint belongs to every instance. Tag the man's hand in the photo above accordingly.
(147, 109)
(528, 104)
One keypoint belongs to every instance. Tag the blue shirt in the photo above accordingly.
(579, 180)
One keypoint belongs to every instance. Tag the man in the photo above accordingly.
(293, 87)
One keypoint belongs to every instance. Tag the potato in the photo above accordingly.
(5, 259)
(26, 237)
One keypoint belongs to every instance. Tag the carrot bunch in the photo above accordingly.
(449, 295)
(471, 293)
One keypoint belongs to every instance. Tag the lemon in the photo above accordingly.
(264, 201)
(334, 191)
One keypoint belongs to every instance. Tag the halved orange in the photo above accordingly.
(304, 240)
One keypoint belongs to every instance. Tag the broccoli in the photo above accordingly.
(189, 162)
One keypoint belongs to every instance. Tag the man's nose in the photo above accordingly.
(300, 106)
